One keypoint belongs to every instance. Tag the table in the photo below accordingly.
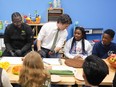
(107, 81)
(65, 80)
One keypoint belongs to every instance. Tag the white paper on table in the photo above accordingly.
(12, 60)
(51, 61)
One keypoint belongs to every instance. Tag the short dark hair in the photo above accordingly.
(95, 70)
(16, 14)
(64, 19)
(110, 32)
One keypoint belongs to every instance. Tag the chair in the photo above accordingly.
(34, 46)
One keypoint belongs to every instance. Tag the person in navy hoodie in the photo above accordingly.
(105, 47)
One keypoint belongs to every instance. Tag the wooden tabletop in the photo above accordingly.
(65, 79)
(107, 81)
(69, 80)
(13, 78)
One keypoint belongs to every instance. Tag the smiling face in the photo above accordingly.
(78, 34)
(17, 21)
(106, 39)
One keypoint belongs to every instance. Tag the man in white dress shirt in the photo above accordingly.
(47, 34)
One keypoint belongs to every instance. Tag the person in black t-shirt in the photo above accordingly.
(18, 37)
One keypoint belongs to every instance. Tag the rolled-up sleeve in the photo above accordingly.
(42, 33)
(67, 48)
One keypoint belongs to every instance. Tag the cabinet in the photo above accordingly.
(94, 34)
(36, 28)
(54, 13)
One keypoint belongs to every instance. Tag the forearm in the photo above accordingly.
(8, 47)
(69, 55)
(38, 45)
(57, 49)
(26, 47)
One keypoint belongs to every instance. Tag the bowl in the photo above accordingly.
(55, 78)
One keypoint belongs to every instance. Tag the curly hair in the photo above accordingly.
(33, 73)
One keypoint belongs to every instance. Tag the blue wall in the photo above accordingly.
(89, 13)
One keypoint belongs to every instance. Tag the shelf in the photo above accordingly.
(94, 30)
(36, 28)
(41, 24)
(94, 33)
(54, 13)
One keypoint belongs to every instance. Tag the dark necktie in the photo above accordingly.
(54, 42)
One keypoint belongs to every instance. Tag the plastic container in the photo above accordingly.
(59, 3)
(55, 3)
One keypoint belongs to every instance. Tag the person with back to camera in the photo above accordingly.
(48, 33)
(78, 45)
(32, 73)
(4, 79)
(105, 47)
(94, 71)
(18, 37)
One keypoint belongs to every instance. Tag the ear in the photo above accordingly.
(84, 75)
(112, 39)
(86, 82)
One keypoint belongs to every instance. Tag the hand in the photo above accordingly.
(39, 51)
(22, 58)
(48, 67)
(77, 57)
(18, 52)
(12, 53)
(51, 52)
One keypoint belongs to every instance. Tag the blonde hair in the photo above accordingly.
(33, 73)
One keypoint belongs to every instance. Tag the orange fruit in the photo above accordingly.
(16, 69)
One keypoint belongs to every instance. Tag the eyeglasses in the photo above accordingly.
(17, 22)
